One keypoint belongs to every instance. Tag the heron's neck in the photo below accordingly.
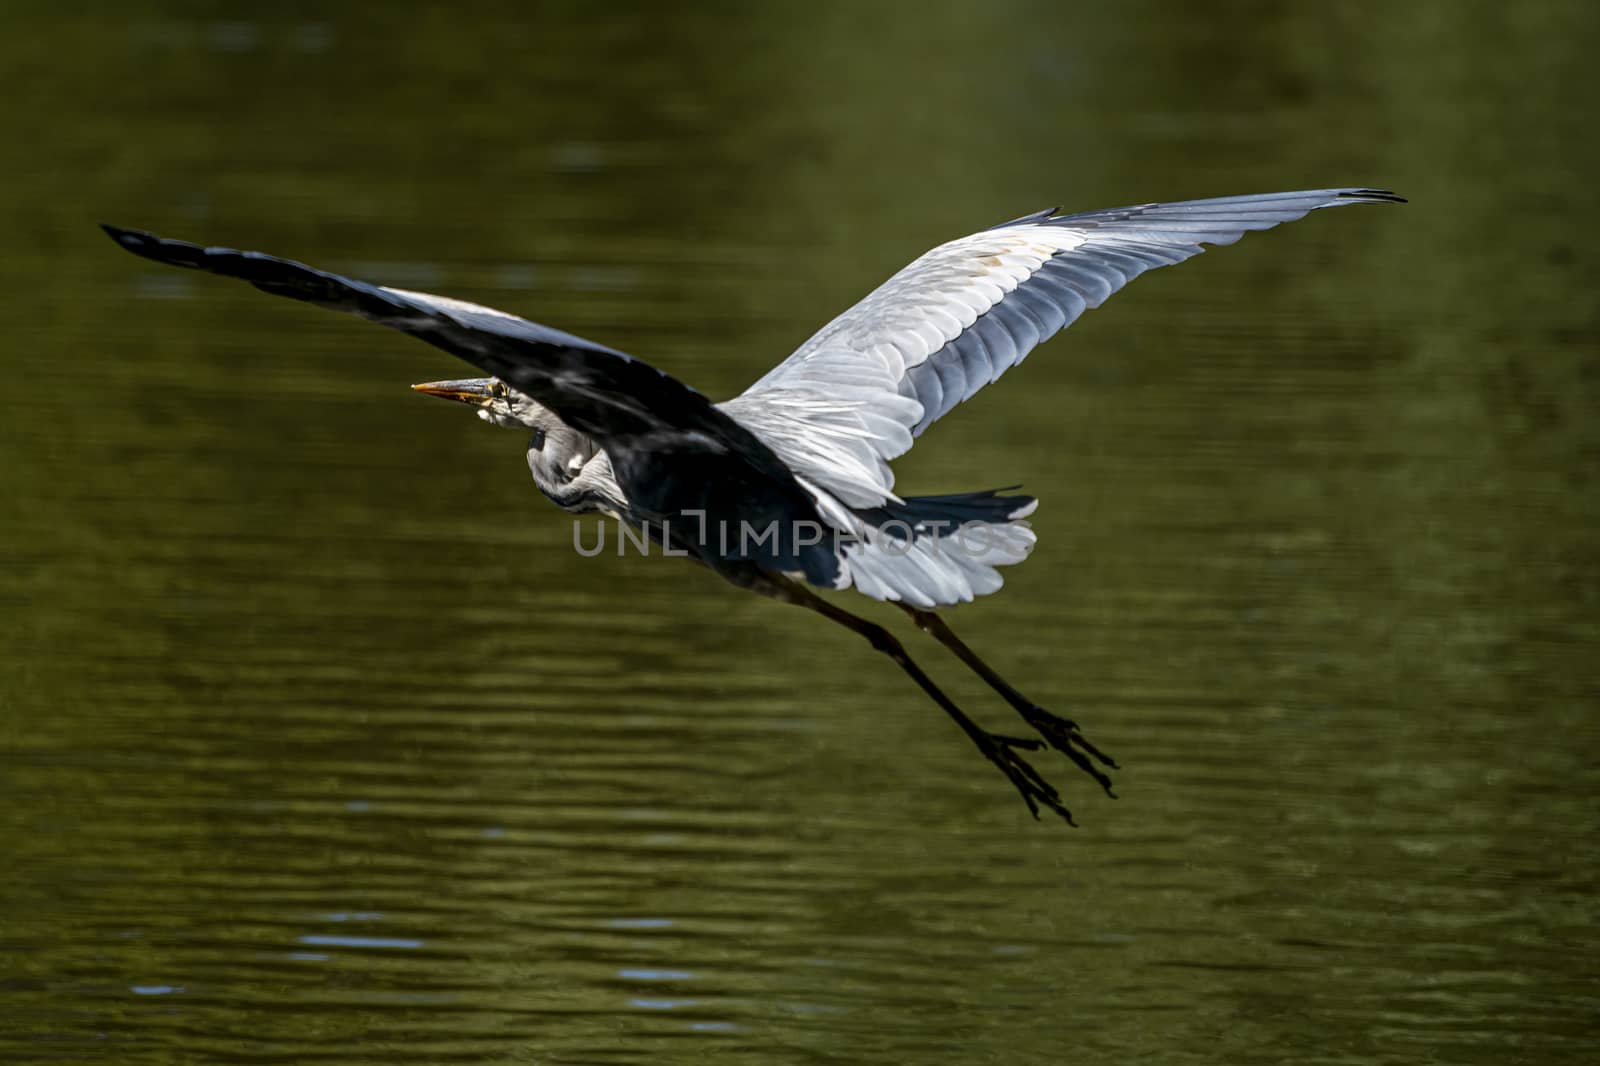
(594, 489)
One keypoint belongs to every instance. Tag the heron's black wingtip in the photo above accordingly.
(148, 245)
(135, 241)
(1373, 196)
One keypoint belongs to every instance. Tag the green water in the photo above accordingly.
(319, 744)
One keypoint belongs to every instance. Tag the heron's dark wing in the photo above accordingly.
(594, 389)
(672, 450)
(960, 316)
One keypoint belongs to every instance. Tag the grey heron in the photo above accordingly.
(802, 456)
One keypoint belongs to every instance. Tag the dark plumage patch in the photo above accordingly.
(672, 450)
(943, 514)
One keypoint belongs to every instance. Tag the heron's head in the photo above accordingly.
(556, 452)
(496, 401)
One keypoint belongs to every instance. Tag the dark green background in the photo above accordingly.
(319, 744)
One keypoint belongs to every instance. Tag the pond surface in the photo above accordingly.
(318, 743)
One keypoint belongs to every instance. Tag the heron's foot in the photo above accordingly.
(1036, 791)
(1065, 736)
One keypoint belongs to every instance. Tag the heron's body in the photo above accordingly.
(789, 484)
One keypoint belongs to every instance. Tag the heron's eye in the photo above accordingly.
(536, 442)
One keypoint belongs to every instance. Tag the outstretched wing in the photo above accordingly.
(672, 450)
(963, 314)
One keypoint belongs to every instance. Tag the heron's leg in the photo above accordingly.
(997, 748)
(1062, 733)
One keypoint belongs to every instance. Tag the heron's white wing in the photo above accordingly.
(957, 318)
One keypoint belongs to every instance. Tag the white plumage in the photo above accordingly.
(852, 398)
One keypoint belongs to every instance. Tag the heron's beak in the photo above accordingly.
(467, 390)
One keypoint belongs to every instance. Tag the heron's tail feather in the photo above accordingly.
(931, 551)
(954, 509)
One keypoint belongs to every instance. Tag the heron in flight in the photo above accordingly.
(787, 487)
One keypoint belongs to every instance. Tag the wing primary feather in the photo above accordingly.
(1062, 294)
(1020, 326)
(1088, 277)
(975, 354)
(1046, 315)
(1001, 347)
(925, 387)
(952, 377)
